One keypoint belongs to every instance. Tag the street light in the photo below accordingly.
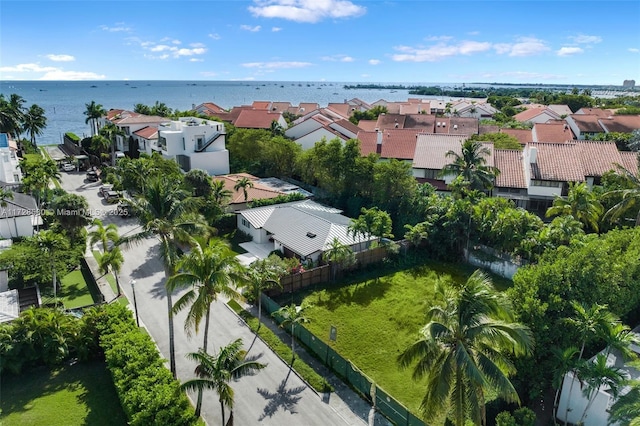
(135, 304)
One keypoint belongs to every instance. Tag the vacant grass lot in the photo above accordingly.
(82, 394)
(377, 318)
(74, 291)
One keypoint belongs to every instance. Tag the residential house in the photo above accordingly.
(620, 123)
(259, 119)
(207, 108)
(473, 109)
(258, 190)
(524, 136)
(194, 143)
(596, 413)
(301, 229)
(552, 131)
(19, 216)
(536, 115)
(399, 144)
(129, 122)
(146, 139)
(431, 157)
(561, 110)
(321, 125)
(595, 111)
(585, 126)
(10, 171)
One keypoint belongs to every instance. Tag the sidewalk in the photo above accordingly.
(344, 401)
(103, 285)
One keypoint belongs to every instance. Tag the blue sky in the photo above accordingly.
(564, 42)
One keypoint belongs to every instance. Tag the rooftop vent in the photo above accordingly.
(311, 235)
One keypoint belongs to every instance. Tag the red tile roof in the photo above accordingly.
(367, 125)
(431, 150)
(509, 162)
(595, 111)
(258, 191)
(523, 135)
(532, 113)
(621, 123)
(148, 132)
(424, 122)
(396, 143)
(261, 104)
(630, 161)
(256, 119)
(389, 121)
(587, 123)
(208, 108)
(597, 158)
(343, 109)
(556, 162)
(553, 131)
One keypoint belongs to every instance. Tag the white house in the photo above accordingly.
(10, 171)
(302, 229)
(129, 122)
(194, 143)
(19, 216)
(597, 413)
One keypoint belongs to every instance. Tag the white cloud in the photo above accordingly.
(633, 50)
(250, 28)
(568, 51)
(276, 29)
(161, 48)
(276, 65)
(365, 75)
(189, 52)
(310, 11)
(27, 68)
(215, 36)
(439, 51)
(118, 28)
(72, 75)
(586, 39)
(439, 38)
(338, 58)
(164, 51)
(196, 60)
(525, 46)
(60, 58)
(374, 61)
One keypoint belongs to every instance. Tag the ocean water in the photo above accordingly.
(64, 102)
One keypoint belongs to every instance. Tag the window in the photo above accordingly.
(546, 183)
(245, 223)
(126, 130)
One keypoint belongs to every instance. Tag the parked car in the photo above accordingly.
(104, 189)
(68, 167)
(125, 209)
(92, 176)
(112, 196)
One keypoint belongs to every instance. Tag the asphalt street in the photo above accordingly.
(274, 396)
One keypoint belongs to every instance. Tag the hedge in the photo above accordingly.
(148, 392)
(72, 136)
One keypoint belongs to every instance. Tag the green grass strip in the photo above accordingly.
(315, 380)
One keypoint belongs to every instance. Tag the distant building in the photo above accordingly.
(629, 84)
(10, 171)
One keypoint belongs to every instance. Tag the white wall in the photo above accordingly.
(544, 191)
(214, 163)
(10, 171)
(308, 141)
(597, 414)
(302, 129)
(259, 236)
(20, 227)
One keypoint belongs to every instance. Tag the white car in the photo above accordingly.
(68, 167)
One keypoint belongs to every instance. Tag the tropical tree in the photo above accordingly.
(626, 410)
(629, 197)
(160, 109)
(165, 211)
(200, 182)
(49, 243)
(34, 122)
(111, 132)
(263, 275)
(243, 183)
(109, 239)
(38, 172)
(564, 362)
(216, 371)
(276, 129)
(339, 256)
(292, 315)
(471, 164)
(94, 112)
(71, 213)
(11, 114)
(465, 350)
(219, 193)
(597, 375)
(581, 203)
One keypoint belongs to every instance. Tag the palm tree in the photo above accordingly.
(164, 210)
(34, 122)
(11, 114)
(112, 260)
(50, 242)
(219, 193)
(465, 350)
(93, 112)
(564, 362)
(471, 164)
(216, 371)
(243, 183)
(292, 315)
(264, 274)
(111, 132)
(599, 374)
(590, 322)
(626, 410)
(209, 271)
(581, 203)
(339, 256)
(629, 197)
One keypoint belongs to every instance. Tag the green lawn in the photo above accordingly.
(376, 319)
(74, 291)
(82, 394)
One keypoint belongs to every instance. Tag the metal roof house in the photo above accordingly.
(302, 229)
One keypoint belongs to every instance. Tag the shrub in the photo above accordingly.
(148, 392)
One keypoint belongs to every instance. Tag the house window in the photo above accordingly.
(126, 130)
(431, 174)
(16, 177)
(183, 144)
(245, 223)
(546, 183)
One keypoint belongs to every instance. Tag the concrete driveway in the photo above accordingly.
(275, 396)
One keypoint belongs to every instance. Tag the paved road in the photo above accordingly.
(275, 396)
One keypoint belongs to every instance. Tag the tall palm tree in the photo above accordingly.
(216, 371)
(11, 114)
(626, 410)
(471, 164)
(465, 350)
(93, 112)
(590, 322)
(50, 242)
(219, 193)
(597, 375)
(111, 261)
(581, 203)
(339, 256)
(293, 315)
(629, 197)
(263, 275)
(34, 122)
(564, 362)
(111, 132)
(112, 258)
(243, 183)
(165, 211)
(208, 271)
